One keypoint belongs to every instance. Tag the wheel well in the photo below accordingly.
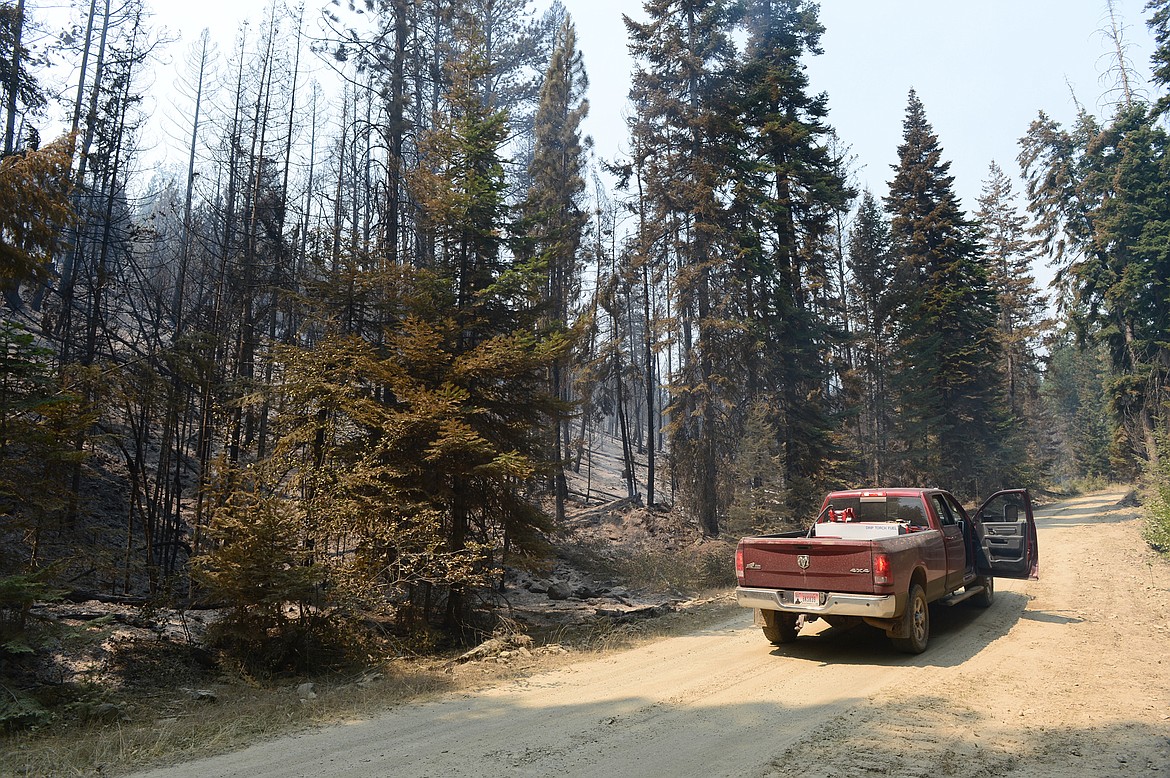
(899, 629)
(918, 577)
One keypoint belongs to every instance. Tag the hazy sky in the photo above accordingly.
(982, 69)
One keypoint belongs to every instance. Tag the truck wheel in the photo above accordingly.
(918, 616)
(781, 627)
(987, 596)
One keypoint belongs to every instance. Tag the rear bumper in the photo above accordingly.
(874, 606)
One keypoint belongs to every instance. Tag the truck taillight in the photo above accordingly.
(739, 563)
(881, 569)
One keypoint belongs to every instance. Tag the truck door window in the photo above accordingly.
(956, 509)
(943, 509)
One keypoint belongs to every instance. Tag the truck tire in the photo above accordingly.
(918, 616)
(781, 627)
(987, 596)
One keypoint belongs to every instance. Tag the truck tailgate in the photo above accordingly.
(807, 564)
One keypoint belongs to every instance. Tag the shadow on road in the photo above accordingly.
(1103, 509)
(983, 743)
(956, 634)
(638, 736)
(1051, 618)
(1081, 518)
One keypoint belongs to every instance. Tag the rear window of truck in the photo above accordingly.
(903, 509)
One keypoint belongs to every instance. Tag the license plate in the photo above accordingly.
(806, 598)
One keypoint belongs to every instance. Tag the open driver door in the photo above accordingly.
(1005, 536)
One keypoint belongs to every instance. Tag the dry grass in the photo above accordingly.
(162, 728)
(689, 569)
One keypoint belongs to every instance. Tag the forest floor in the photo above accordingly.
(127, 685)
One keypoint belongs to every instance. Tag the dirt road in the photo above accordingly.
(1066, 676)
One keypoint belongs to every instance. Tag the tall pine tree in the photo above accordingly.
(947, 384)
(555, 218)
(683, 131)
(789, 193)
(1011, 251)
(870, 301)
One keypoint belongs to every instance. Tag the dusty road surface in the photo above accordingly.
(1066, 676)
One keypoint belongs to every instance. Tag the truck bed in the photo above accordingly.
(795, 561)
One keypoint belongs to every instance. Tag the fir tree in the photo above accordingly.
(34, 211)
(1054, 167)
(758, 495)
(1011, 252)
(554, 214)
(947, 364)
(1075, 390)
(461, 190)
(871, 299)
(1102, 204)
(484, 313)
(39, 419)
(682, 133)
(789, 194)
(260, 564)
(23, 94)
(1126, 279)
(1159, 24)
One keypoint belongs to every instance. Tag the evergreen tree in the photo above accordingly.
(34, 211)
(1102, 203)
(1159, 24)
(738, 194)
(947, 382)
(486, 320)
(789, 195)
(554, 215)
(1075, 392)
(1011, 252)
(1126, 282)
(683, 135)
(871, 299)
(38, 421)
(23, 94)
(1054, 165)
(461, 190)
(258, 567)
(401, 471)
(758, 497)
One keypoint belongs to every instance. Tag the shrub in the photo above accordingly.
(1157, 507)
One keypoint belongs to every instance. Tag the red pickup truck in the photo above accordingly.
(882, 556)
